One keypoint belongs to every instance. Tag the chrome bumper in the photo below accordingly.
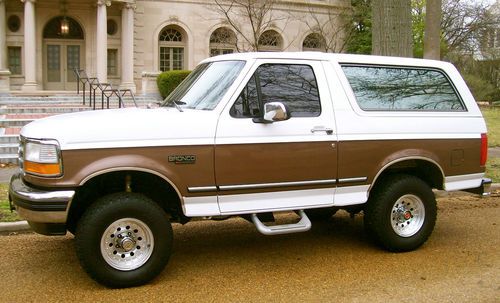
(45, 211)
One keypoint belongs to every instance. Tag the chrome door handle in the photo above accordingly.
(328, 131)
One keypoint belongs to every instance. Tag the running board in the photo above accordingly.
(303, 225)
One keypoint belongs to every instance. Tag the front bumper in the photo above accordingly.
(45, 211)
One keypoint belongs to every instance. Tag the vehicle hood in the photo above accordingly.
(125, 128)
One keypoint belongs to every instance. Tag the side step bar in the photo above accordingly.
(303, 225)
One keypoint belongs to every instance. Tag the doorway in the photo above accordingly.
(63, 51)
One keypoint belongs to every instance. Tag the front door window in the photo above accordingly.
(53, 63)
(72, 61)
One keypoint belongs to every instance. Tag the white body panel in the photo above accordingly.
(121, 128)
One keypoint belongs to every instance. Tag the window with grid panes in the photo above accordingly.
(15, 60)
(171, 49)
(112, 62)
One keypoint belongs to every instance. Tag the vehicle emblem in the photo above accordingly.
(182, 159)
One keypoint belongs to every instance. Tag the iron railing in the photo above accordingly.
(106, 89)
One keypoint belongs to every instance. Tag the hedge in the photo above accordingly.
(168, 81)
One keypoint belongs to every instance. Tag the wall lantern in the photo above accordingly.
(64, 20)
(64, 26)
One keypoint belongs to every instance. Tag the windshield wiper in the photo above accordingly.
(177, 103)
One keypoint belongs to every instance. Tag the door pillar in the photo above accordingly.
(29, 46)
(127, 69)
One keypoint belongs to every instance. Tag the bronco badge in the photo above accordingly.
(182, 159)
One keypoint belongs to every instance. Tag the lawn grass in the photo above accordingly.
(492, 117)
(5, 214)
(493, 169)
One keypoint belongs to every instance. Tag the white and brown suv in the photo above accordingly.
(249, 135)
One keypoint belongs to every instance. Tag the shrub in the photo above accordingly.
(168, 81)
(481, 89)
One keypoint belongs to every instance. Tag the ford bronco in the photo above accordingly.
(250, 135)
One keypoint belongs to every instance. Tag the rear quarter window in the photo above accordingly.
(380, 88)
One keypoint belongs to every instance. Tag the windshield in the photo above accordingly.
(205, 86)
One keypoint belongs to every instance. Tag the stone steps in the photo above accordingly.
(59, 109)
(18, 109)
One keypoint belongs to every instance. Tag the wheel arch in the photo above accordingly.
(151, 183)
(131, 168)
(425, 168)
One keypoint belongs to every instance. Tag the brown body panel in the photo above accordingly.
(244, 164)
(368, 158)
(80, 164)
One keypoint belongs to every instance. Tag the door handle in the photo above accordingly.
(328, 131)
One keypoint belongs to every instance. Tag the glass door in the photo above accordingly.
(60, 60)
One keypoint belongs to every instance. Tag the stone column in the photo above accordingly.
(127, 69)
(4, 71)
(29, 46)
(102, 41)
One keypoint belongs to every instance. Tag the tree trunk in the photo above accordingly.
(432, 35)
(391, 28)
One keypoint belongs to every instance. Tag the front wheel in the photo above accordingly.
(401, 213)
(124, 240)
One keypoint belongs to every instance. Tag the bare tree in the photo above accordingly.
(391, 28)
(334, 28)
(464, 23)
(249, 19)
(432, 35)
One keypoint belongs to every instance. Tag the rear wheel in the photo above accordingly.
(401, 213)
(124, 240)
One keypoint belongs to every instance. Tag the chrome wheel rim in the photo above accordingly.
(127, 244)
(407, 215)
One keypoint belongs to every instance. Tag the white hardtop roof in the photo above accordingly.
(340, 58)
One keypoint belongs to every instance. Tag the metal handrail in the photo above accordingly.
(82, 77)
(106, 89)
(120, 93)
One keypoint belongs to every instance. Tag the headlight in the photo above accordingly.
(41, 157)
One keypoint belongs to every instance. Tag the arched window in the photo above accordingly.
(171, 49)
(54, 29)
(270, 40)
(222, 41)
(313, 42)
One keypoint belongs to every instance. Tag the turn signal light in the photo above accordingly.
(42, 169)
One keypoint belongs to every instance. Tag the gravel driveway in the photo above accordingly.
(230, 261)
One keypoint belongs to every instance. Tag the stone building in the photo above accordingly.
(127, 42)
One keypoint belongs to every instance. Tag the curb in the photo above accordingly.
(24, 226)
(14, 226)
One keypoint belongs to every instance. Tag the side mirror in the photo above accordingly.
(273, 112)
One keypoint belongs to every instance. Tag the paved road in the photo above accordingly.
(230, 262)
(494, 152)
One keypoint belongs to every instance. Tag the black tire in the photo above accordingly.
(320, 214)
(401, 213)
(145, 220)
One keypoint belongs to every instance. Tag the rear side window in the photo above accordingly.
(292, 84)
(380, 88)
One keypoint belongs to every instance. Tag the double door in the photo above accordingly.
(60, 60)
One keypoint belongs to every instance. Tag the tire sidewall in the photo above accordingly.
(118, 207)
(423, 233)
(381, 223)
